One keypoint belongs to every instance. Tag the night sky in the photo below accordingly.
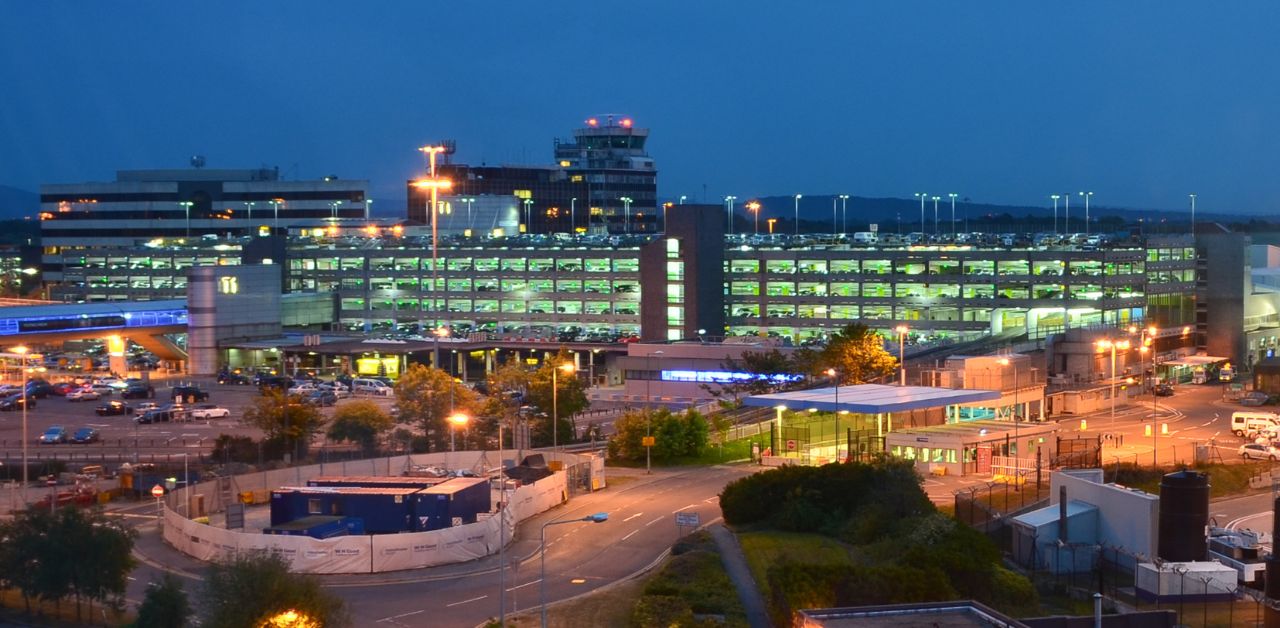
(1002, 102)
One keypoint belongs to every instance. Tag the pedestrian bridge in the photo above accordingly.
(144, 322)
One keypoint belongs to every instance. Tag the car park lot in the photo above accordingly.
(116, 432)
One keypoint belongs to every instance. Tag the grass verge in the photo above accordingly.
(766, 548)
(1225, 480)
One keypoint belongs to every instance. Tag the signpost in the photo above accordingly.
(687, 520)
(157, 492)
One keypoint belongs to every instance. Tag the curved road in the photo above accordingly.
(581, 557)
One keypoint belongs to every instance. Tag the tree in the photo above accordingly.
(165, 606)
(360, 421)
(857, 354)
(427, 396)
(675, 435)
(570, 398)
(766, 372)
(283, 418)
(248, 590)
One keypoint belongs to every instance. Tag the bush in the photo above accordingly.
(661, 610)
(228, 448)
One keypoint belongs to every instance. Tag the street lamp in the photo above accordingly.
(1193, 214)
(599, 517)
(186, 205)
(22, 351)
(568, 369)
(1086, 196)
(1066, 214)
(456, 421)
(626, 213)
(1113, 345)
(573, 208)
(728, 212)
(833, 374)
(921, 196)
(935, 214)
(275, 206)
(902, 352)
(1016, 408)
(439, 332)
(682, 197)
(953, 196)
(798, 197)
(528, 215)
(844, 212)
(754, 206)
(1055, 198)
(249, 205)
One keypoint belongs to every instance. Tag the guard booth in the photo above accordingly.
(1000, 449)
(834, 424)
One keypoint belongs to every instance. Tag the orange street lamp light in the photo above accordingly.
(568, 369)
(456, 421)
(902, 352)
(754, 207)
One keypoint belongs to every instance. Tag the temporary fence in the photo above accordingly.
(365, 553)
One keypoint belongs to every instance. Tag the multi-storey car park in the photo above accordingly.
(599, 288)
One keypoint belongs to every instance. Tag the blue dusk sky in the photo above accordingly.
(1002, 102)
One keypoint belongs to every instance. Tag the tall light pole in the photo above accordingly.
(186, 205)
(922, 196)
(682, 197)
(626, 213)
(573, 214)
(835, 225)
(22, 351)
(435, 184)
(728, 213)
(935, 215)
(648, 413)
(1086, 196)
(754, 207)
(1113, 345)
(1193, 215)
(249, 205)
(469, 201)
(902, 352)
(844, 213)
(275, 206)
(1016, 409)
(456, 421)
(1055, 198)
(368, 205)
(953, 196)
(835, 377)
(568, 369)
(798, 197)
(599, 517)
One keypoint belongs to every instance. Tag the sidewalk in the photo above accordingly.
(736, 564)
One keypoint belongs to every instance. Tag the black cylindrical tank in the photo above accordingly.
(1184, 513)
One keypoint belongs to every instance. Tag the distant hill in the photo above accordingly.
(816, 214)
(16, 203)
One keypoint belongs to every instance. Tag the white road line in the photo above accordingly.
(521, 586)
(632, 517)
(395, 617)
(474, 599)
(684, 508)
(653, 522)
(711, 499)
(633, 533)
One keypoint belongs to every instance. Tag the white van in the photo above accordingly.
(370, 387)
(1243, 423)
(865, 237)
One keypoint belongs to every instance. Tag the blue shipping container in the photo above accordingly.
(382, 511)
(318, 527)
(459, 500)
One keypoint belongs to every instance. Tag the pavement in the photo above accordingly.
(735, 562)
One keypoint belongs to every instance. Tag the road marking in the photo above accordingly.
(633, 533)
(632, 517)
(711, 499)
(684, 508)
(521, 586)
(395, 617)
(474, 599)
(653, 522)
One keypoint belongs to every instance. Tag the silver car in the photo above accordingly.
(1254, 451)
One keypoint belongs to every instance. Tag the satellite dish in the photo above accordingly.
(197, 161)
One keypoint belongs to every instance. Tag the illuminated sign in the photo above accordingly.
(228, 285)
(724, 377)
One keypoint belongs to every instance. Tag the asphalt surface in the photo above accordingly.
(581, 557)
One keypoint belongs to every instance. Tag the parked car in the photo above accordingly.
(112, 408)
(85, 435)
(1164, 390)
(102, 389)
(209, 411)
(1254, 451)
(15, 402)
(238, 379)
(139, 391)
(143, 407)
(305, 388)
(1255, 398)
(159, 415)
(39, 388)
(83, 394)
(188, 394)
(321, 398)
(54, 435)
(62, 388)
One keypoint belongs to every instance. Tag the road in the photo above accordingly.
(581, 557)
(1195, 415)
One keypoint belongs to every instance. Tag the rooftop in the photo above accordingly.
(871, 398)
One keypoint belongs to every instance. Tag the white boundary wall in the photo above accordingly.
(365, 553)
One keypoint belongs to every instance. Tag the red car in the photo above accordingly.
(62, 388)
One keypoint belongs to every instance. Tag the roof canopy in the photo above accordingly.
(871, 398)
